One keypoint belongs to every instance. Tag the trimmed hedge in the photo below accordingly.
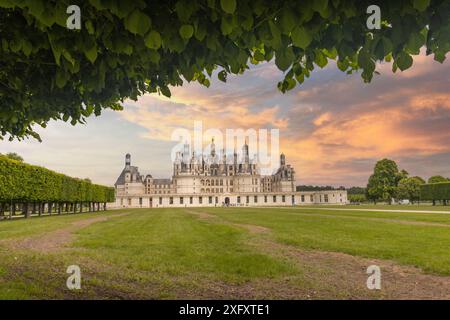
(435, 191)
(22, 182)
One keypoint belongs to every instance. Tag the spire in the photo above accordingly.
(213, 148)
(245, 152)
(127, 160)
(282, 159)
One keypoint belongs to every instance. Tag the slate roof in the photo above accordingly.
(133, 170)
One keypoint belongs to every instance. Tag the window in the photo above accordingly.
(160, 200)
(255, 199)
(283, 198)
(311, 198)
(209, 200)
(247, 199)
(303, 198)
(181, 200)
(293, 199)
(129, 201)
(274, 198)
(140, 201)
(200, 200)
(326, 198)
(265, 199)
(238, 199)
(171, 200)
(217, 200)
(191, 200)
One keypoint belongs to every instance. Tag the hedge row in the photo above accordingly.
(23, 182)
(435, 191)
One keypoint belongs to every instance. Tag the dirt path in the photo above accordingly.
(57, 239)
(249, 227)
(331, 274)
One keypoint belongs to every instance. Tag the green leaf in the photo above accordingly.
(61, 78)
(89, 27)
(404, 61)
(321, 60)
(186, 31)
(415, 42)
(439, 56)
(284, 58)
(320, 6)
(91, 54)
(259, 56)
(288, 21)
(165, 91)
(226, 26)
(301, 37)
(137, 22)
(154, 56)
(153, 40)
(229, 6)
(200, 32)
(421, 5)
(365, 62)
(222, 75)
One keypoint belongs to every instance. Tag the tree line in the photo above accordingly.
(31, 190)
(388, 183)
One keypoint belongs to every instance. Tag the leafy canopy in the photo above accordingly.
(382, 184)
(409, 188)
(126, 48)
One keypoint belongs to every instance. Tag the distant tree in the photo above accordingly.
(14, 156)
(422, 180)
(409, 188)
(356, 190)
(357, 198)
(314, 188)
(87, 180)
(437, 179)
(383, 182)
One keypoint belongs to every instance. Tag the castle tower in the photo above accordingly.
(127, 160)
(213, 149)
(282, 160)
(245, 152)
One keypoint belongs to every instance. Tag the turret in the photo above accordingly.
(213, 149)
(127, 160)
(282, 160)
(245, 152)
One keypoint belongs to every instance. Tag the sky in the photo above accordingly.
(333, 128)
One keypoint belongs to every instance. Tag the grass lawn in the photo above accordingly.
(294, 253)
(409, 207)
